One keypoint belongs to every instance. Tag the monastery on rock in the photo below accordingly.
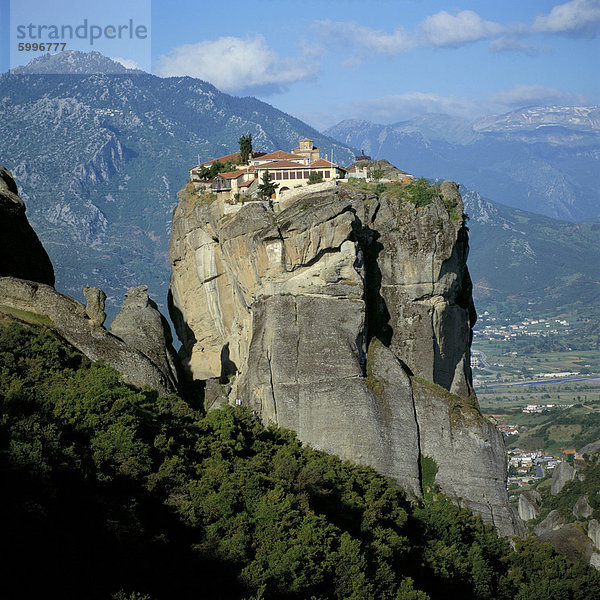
(288, 169)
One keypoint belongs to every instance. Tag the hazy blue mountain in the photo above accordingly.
(99, 159)
(542, 159)
(524, 261)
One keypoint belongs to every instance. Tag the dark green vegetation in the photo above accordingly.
(245, 143)
(587, 484)
(207, 173)
(428, 470)
(100, 158)
(266, 187)
(314, 177)
(113, 492)
(420, 193)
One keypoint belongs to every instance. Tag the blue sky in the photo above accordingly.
(382, 60)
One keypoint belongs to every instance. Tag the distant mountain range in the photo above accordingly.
(542, 159)
(99, 152)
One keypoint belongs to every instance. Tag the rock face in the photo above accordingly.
(346, 317)
(566, 538)
(69, 319)
(561, 476)
(594, 533)
(426, 288)
(528, 505)
(570, 541)
(94, 308)
(469, 452)
(141, 325)
(21, 252)
(553, 522)
(582, 508)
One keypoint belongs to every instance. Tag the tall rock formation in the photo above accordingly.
(561, 476)
(346, 317)
(141, 325)
(21, 252)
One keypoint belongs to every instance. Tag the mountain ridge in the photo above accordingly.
(530, 260)
(73, 62)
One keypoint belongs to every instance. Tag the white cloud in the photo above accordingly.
(578, 17)
(441, 29)
(533, 95)
(126, 62)
(444, 29)
(372, 40)
(234, 64)
(451, 30)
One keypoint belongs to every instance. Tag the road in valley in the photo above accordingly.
(577, 379)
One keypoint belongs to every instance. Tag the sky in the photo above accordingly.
(328, 60)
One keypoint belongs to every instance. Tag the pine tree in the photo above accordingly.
(245, 143)
(267, 188)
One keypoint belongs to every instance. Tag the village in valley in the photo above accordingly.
(536, 379)
(526, 466)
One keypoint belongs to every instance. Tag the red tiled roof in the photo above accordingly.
(234, 156)
(246, 183)
(279, 155)
(231, 174)
(321, 162)
(222, 159)
(281, 164)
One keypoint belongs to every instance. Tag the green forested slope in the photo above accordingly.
(523, 263)
(111, 492)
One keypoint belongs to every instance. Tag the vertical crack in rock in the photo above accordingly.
(297, 332)
(419, 445)
(276, 419)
